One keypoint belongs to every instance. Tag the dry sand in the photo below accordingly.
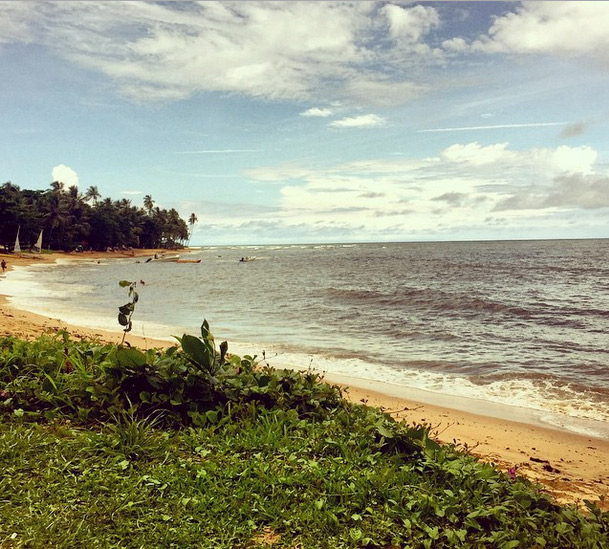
(569, 466)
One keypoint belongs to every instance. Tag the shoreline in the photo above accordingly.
(570, 466)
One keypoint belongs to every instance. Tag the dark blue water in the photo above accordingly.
(525, 323)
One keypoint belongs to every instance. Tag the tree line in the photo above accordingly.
(72, 220)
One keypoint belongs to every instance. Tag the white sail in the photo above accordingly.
(38, 244)
(17, 247)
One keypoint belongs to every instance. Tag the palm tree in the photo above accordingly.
(92, 194)
(57, 187)
(148, 203)
(191, 221)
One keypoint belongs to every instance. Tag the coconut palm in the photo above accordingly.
(92, 193)
(148, 203)
(191, 221)
(57, 187)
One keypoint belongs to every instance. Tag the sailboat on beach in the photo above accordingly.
(38, 245)
(17, 248)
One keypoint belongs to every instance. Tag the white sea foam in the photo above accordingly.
(545, 402)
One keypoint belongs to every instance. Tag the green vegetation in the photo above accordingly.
(110, 446)
(71, 220)
(125, 312)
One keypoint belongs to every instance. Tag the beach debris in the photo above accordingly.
(546, 466)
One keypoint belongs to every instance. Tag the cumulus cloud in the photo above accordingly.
(569, 28)
(456, 44)
(476, 154)
(464, 185)
(65, 175)
(317, 112)
(361, 121)
(410, 23)
(272, 50)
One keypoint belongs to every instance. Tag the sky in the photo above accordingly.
(293, 121)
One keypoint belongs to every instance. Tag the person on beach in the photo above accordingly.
(3, 265)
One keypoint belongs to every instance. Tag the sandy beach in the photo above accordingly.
(571, 467)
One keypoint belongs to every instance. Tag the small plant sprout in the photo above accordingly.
(125, 312)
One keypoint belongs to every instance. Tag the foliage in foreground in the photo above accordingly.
(113, 447)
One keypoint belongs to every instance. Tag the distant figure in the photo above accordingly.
(3, 265)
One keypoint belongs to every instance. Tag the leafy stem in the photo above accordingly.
(125, 312)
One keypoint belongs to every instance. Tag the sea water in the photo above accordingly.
(518, 324)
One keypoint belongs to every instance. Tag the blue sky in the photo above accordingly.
(289, 121)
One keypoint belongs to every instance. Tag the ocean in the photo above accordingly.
(518, 325)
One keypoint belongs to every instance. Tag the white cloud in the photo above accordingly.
(65, 175)
(566, 28)
(465, 185)
(456, 44)
(575, 159)
(410, 23)
(362, 121)
(475, 154)
(273, 50)
(317, 112)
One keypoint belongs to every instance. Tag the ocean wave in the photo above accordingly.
(430, 298)
(547, 395)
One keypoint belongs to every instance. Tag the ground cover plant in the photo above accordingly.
(109, 446)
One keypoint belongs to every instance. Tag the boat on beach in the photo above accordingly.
(173, 258)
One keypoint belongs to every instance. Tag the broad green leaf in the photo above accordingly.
(384, 432)
(212, 416)
(196, 350)
(223, 350)
(127, 308)
(124, 283)
(130, 357)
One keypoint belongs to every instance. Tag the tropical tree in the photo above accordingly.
(69, 221)
(92, 193)
(148, 204)
(191, 221)
(57, 187)
(56, 218)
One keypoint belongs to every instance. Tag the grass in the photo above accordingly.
(275, 459)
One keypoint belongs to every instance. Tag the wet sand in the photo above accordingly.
(571, 467)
